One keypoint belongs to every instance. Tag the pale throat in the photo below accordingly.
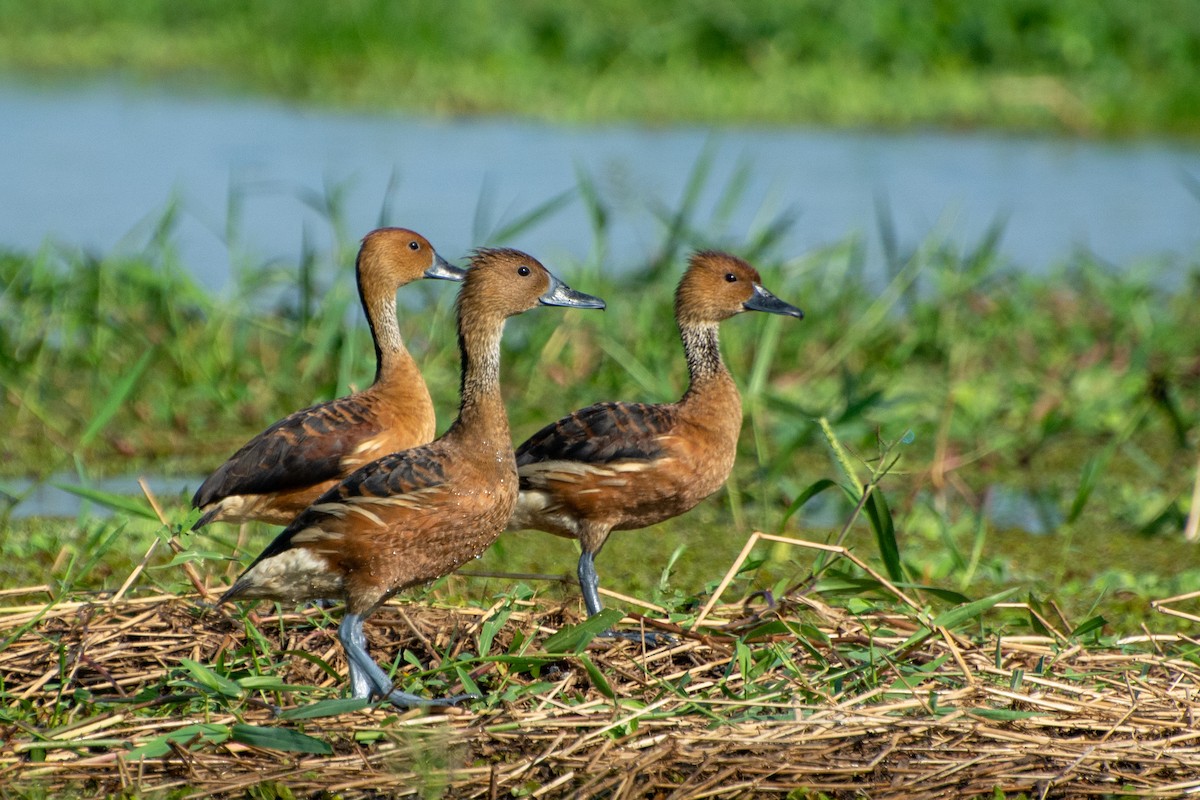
(703, 352)
(481, 401)
(390, 352)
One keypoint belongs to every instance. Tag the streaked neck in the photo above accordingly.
(703, 351)
(481, 408)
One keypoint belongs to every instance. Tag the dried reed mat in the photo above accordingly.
(874, 705)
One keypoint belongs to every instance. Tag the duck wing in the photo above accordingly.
(410, 480)
(302, 449)
(601, 434)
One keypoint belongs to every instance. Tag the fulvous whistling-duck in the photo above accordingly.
(414, 516)
(278, 473)
(622, 466)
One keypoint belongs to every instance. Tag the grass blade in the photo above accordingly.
(280, 739)
(208, 678)
(808, 494)
(957, 616)
(885, 533)
(325, 708)
(118, 396)
(573, 638)
(531, 218)
(596, 676)
(1084, 628)
(133, 506)
(160, 746)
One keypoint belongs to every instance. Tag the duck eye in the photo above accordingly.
(522, 271)
(729, 276)
(414, 246)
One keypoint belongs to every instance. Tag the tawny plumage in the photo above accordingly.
(414, 516)
(278, 473)
(622, 466)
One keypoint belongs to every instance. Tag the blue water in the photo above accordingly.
(1007, 507)
(92, 165)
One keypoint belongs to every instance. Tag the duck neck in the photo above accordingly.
(481, 414)
(702, 348)
(392, 359)
(712, 401)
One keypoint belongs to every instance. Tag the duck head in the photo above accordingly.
(716, 286)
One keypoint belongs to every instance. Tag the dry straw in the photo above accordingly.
(750, 701)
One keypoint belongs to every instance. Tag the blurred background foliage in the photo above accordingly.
(1086, 66)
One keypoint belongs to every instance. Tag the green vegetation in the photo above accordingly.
(893, 424)
(999, 467)
(1065, 405)
(1086, 66)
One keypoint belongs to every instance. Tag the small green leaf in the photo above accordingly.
(949, 595)
(573, 638)
(280, 739)
(957, 616)
(742, 653)
(518, 663)
(269, 683)
(489, 629)
(1035, 618)
(210, 679)
(467, 681)
(885, 533)
(325, 708)
(161, 745)
(1095, 623)
(596, 676)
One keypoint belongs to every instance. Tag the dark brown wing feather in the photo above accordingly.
(600, 434)
(302, 449)
(391, 476)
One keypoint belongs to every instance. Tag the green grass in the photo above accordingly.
(1078, 390)
(1086, 66)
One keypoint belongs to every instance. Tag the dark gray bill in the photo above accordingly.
(762, 300)
(559, 294)
(441, 268)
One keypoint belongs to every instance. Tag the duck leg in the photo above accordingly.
(589, 584)
(354, 642)
(367, 679)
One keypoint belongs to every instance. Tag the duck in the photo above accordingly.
(282, 470)
(411, 517)
(625, 466)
